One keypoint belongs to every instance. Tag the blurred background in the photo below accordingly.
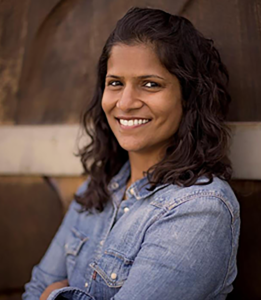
(48, 55)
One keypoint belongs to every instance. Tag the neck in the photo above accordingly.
(140, 163)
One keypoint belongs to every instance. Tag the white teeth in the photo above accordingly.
(133, 122)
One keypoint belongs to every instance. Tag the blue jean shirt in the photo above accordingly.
(170, 243)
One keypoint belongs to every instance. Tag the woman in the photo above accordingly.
(157, 218)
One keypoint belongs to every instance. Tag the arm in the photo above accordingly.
(184, 255)
(52, 267)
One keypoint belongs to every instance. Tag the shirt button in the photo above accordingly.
(114, 185)
(113, 275)
(66, 246)
(126, 209)
(101, 243)
(86, 284)
(132, 191)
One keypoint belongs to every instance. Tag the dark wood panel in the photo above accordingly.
(13, 32)
(248, 281)
(235, 27)
(54, 75)
(11, 296)
(30, 213)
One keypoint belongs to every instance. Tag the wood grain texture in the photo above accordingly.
(59, 67)
(235, 28)
(56, 66)
(248, 282)
(13, 32)
(30, 213)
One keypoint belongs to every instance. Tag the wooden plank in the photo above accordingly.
(58, 75)
(235, 28)
(30, 213)
(11, 296)
(13, 31)
(245, 150)
(248, 282)
(39, 150)
(49, 150)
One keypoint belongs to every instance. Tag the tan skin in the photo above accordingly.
(52, 287)
(138, 86)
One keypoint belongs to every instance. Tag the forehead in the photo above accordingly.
(135, 59)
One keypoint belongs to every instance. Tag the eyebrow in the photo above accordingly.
(140, 77)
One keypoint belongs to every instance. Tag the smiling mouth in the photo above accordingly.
(132, 123)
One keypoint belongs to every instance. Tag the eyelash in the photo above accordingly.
(111, 82)
(156, 85)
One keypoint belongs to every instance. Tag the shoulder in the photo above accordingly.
(218, 191)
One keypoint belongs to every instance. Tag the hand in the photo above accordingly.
(52, 287)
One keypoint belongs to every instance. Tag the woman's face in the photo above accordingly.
(141, 99)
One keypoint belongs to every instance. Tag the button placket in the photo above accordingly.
(132, 191)
(114, 185)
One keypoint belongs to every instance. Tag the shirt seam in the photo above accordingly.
(200, 194)
(220, 198)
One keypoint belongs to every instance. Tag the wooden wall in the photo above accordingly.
(49, 50)
(48, 54)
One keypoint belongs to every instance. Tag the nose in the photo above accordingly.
(129, 99)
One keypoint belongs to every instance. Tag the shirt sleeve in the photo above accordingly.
(52, 267)
(70, 293)
(185, 254)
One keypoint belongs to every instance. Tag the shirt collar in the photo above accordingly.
(138, 189)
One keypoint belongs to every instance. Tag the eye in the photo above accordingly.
(151, 84)
(114, 83)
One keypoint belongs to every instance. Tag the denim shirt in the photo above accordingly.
(170, 243)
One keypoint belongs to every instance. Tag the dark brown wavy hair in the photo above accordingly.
(199, 147)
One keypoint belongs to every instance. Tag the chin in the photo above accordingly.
(130, 147)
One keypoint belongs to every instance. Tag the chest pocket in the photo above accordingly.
(74, 243)
(112, 269)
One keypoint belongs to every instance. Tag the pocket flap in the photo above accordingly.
(113, 269)
(74, 242)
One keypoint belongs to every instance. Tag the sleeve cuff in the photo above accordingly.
(69, 293)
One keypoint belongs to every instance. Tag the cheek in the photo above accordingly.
(107, 103)
(171, 117)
